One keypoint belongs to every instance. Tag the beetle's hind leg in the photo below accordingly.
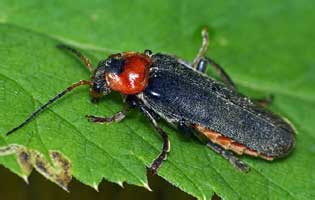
(86, 61)
(185, 129)
(229, 156)
(117, 117)
(202, 67)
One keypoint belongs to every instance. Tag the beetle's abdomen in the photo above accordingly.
(179, 93)
(229, 144)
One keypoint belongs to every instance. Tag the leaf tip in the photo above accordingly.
(65, 188)
(95, 186)
(146, 186)
(25, 178)
(121, 184)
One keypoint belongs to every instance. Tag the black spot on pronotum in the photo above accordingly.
(114, 65)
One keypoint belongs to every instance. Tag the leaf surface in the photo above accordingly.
(265, 47)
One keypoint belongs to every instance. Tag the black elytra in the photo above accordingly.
(179, 93)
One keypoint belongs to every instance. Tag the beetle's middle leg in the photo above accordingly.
(201, 61)
(229, 156)
(166, 143)
(117, 117)
(203, 48)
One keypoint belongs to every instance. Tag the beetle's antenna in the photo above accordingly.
(50, 101)
(86, 61)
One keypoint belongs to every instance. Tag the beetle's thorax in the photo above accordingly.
(127, 73)
(133, 76)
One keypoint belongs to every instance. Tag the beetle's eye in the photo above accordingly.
(115, 65)
(108, 62)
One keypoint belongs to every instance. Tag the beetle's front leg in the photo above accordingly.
(117, 117)
(166, 143)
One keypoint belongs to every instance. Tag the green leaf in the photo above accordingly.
(266, 47)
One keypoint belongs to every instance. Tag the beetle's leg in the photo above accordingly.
(166, 143)
(134, 102)
(77, 53)
(200, 62)
(203, 48)
(117, 117)
(229, 156)
(264, 102)
(202, 66)
(184, 129)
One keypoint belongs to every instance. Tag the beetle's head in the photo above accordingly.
(127, 73)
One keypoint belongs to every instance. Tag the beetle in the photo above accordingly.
(165, 86)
